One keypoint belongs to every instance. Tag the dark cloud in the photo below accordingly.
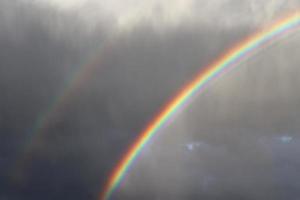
(231, 143)
(40, 50)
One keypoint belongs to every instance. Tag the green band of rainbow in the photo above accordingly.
(233, 57)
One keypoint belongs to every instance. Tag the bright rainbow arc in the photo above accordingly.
(234, 56)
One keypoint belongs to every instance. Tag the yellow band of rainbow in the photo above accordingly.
(231, 58)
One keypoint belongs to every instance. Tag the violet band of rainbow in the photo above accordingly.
(234, 56)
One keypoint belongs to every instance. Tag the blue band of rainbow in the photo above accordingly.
(231, 58)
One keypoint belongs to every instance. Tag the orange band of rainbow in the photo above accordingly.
(234, 56)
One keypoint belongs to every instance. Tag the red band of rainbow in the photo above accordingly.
(231, 58)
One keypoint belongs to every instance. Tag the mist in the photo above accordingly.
(93, 74)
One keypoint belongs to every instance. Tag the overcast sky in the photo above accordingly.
(80, 79)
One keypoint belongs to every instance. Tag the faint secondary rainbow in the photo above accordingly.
(76, 80)
(231, 58)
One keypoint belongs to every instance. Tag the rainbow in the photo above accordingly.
(76, 80)
(231, 58)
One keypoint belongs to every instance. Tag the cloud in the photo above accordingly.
(161, 14)
(139, 54)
